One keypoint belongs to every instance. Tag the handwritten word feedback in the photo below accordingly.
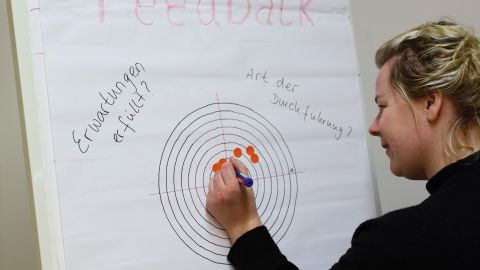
(216, 12)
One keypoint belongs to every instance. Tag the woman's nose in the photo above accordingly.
(373, 129)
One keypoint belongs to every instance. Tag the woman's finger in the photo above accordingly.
(210, 186)
(228, 174)
(238, 165)
(218, 181)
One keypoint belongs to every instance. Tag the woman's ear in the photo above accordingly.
(433, 105)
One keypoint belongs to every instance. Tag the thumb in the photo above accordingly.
(238, 165)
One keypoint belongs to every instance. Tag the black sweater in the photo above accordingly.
(442, 232)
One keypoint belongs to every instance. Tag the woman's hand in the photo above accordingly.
(232, 204)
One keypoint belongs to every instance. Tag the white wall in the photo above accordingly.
(375, 21)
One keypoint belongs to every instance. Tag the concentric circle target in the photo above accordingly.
(200, 140)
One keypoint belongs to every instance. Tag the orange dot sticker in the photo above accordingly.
(237, 152)
(216, 167)
(254, 158)
(250, 150)
(221, 161)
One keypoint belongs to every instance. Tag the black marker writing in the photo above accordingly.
(108, 100)
(308, 114)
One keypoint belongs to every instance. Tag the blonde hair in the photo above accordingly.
(440, 57)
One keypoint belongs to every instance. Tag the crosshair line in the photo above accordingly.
(221, 125)
(194, 188)
(266, 177)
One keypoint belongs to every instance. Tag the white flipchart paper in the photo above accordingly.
(144, 97)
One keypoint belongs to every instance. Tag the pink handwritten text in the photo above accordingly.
(218, 12)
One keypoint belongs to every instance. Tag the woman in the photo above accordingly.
(428, 95)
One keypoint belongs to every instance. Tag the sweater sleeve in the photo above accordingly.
(256, 250)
